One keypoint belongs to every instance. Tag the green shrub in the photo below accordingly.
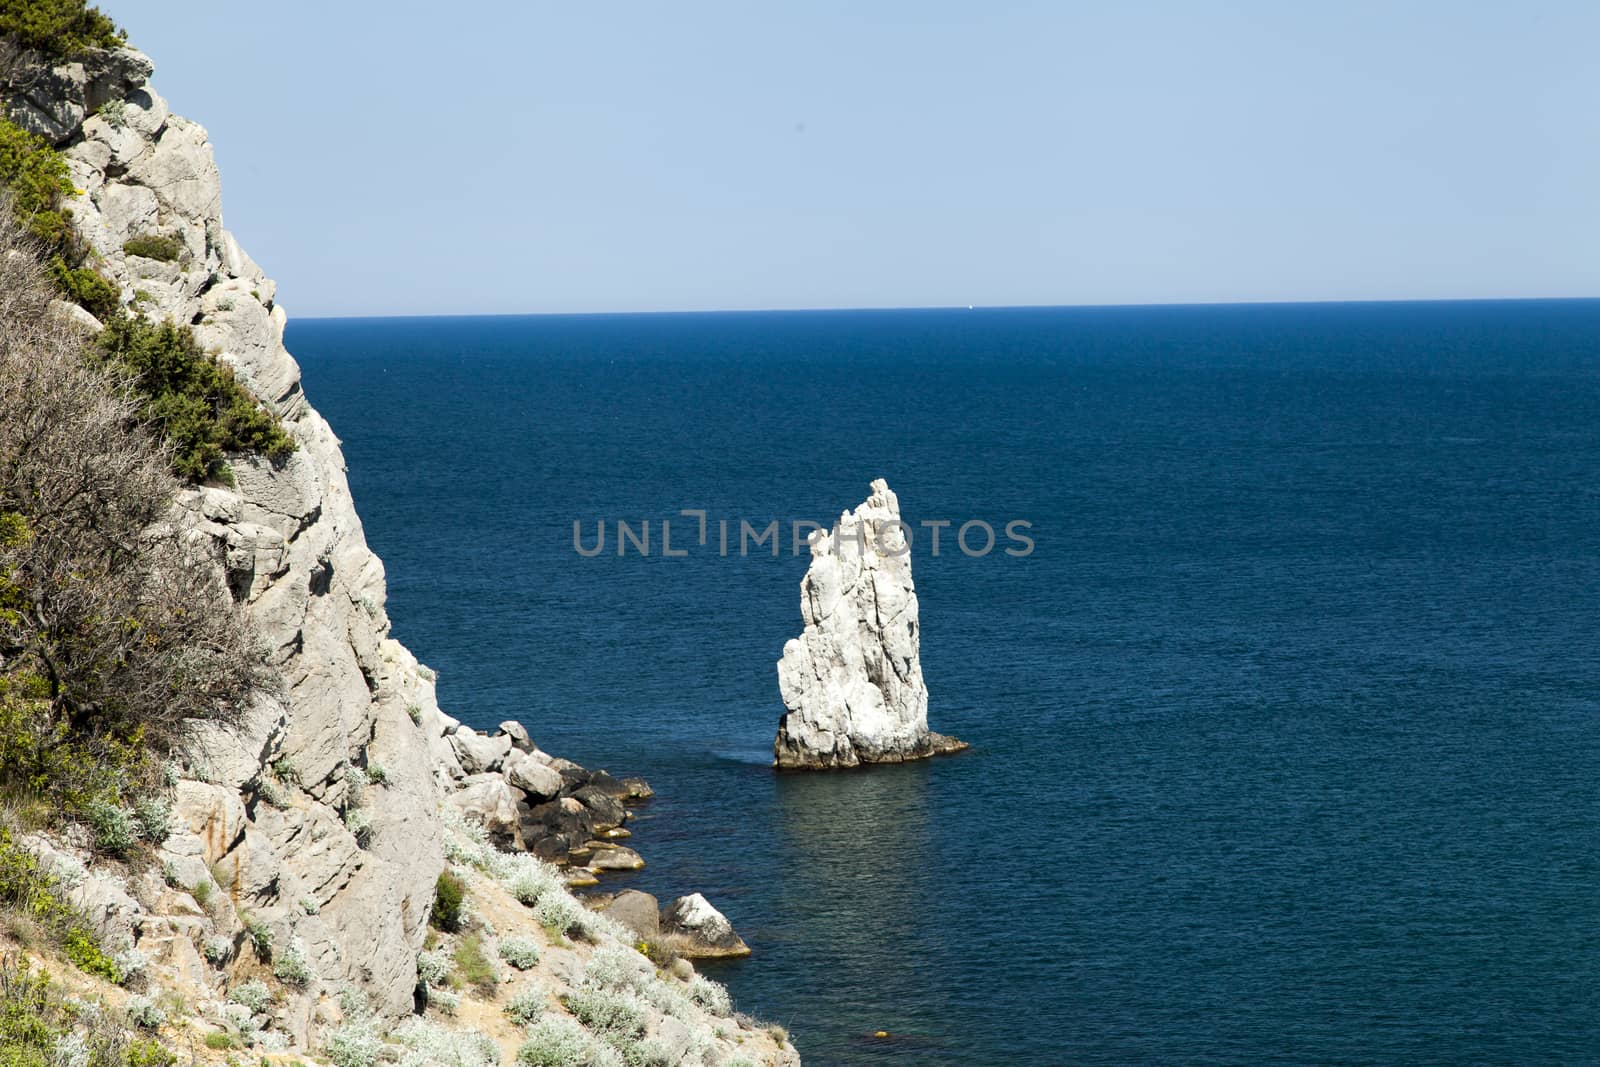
(474, 966)
(113, 641)
(556, 1041)
(221, 1041)
(26, 887)
(37, 177)
(143, 1052)
(291, 967)
(58, 27)
(449, 893)
(612, 1012)
(40, 1027)
(115, 112)
(433, 968)
(83, 777)
(87, 288)
(521, 952)
(254, 995)
(559, 914)
(445, 1001)
(189, 398)
(158, 246)
(526, 1008)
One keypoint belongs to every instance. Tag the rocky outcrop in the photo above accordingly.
(639, 912)
(52, 97)
(528, 800)
(306, 841)
(852, 682)
(316, 818)
(699, 931)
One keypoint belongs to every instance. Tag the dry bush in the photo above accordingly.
(116, 627)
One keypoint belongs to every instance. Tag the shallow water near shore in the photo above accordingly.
(1286, 737)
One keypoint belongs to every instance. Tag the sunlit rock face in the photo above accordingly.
(279, 806)
(852, 681)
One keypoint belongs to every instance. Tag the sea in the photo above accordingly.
(1285, 732)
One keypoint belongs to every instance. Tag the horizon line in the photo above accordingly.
(958, 307)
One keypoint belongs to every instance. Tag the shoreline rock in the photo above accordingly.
(696, 930)
(852, 681)
(530, 801)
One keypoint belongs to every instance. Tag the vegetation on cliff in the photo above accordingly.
(35, 176)
(115, 632)
(41, 1027)
(188, 398)
(58, 27)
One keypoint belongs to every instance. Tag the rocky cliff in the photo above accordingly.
(852, 681)
(308, 841)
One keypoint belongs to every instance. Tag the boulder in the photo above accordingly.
(621, 788)
(48, 100)
(75, 316)
(852, 681)
(518, 735)
(538, 780)
(605, 811)
(607, 857)
(556, 830)
(573, 775)
(639, 912)
(700, 931)
(489, 801)
(479, 753)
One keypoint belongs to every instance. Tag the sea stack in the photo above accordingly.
(852, 682)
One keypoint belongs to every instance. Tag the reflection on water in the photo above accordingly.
(857, 845)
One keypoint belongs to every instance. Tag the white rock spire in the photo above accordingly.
(852, 682)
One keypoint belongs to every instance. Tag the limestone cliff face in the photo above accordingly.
(308, 839)
(852, 681)
(279, 812)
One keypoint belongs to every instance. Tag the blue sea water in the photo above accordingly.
(1285, 738)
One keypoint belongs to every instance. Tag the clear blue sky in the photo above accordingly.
(411, 158)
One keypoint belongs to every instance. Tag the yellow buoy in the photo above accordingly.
(881, 1033)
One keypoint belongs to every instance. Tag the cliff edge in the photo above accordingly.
(308, 841)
